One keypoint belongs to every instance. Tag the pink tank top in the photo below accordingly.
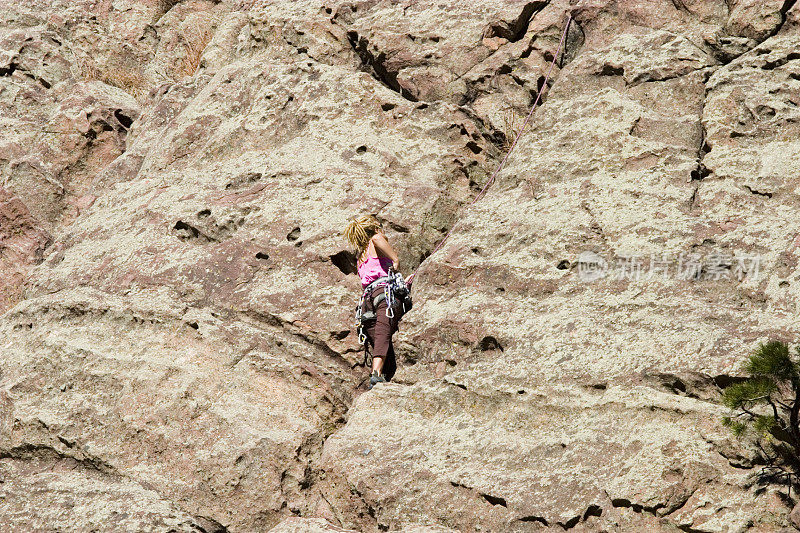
(373, 268)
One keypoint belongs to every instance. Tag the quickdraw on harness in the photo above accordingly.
(396, 293)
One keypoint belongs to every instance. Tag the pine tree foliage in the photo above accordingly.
(766, 407)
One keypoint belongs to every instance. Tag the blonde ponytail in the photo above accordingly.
(359, 231)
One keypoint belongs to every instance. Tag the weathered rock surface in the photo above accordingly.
(75, 494)
(176, 345)
(319, 525)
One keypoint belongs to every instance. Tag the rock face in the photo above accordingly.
(176, 343)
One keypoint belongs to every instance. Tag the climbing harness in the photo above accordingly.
(363, 318)
(519, 134)
(396, 293)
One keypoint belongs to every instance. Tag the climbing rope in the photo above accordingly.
(516, 138)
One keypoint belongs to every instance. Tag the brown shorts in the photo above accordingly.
(379, 333)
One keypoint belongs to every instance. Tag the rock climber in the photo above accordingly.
(377, 262)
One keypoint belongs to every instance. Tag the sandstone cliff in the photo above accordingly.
(176, 344)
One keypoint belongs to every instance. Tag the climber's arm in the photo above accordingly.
(385, 249)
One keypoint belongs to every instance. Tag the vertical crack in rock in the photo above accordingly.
(574, 42)
(492, 137)
(701, 171)
(336, 512)
(371, 511)
(787, 5)
(375, 64)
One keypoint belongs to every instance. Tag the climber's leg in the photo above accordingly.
(381, 335)
(389, 364)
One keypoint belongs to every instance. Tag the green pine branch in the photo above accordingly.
(766, 407)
